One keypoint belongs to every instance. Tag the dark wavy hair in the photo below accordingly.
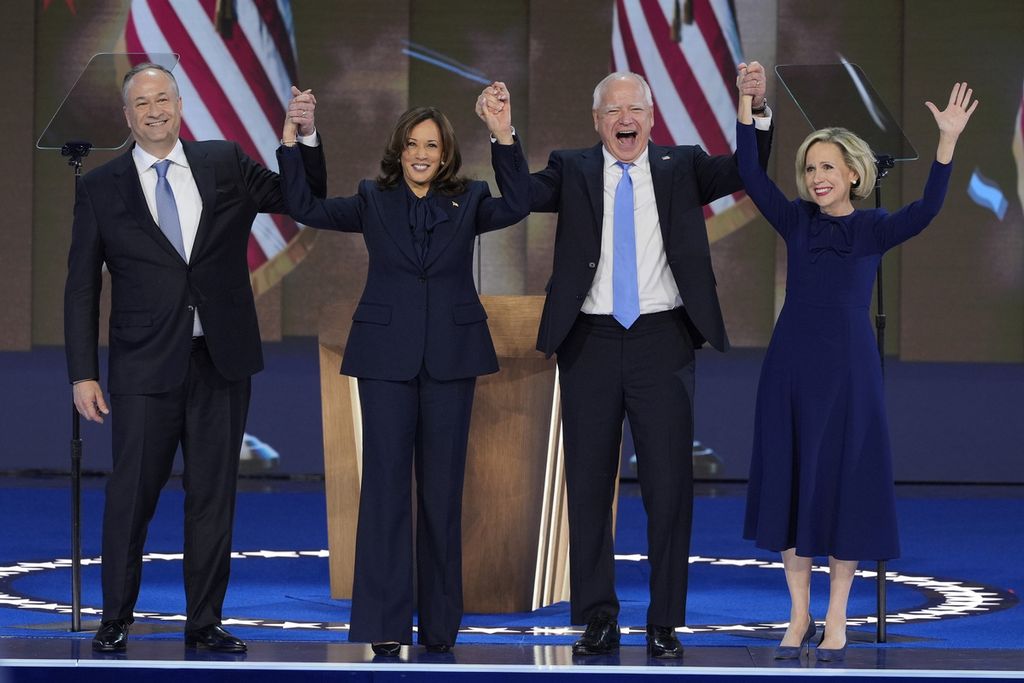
(447, 180)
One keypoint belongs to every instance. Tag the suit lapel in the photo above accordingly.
(592, 166)
(662, 168)
(206, 182)
(126, 179)
(394, 217)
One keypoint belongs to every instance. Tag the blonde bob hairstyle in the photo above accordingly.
(856, 153)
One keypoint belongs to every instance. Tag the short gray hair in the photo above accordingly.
(139, 68)
(621, 76)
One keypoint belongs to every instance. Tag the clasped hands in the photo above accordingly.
(494, 107)
(300, 117)
(750, 81)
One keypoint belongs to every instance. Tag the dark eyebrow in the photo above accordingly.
(144, 98)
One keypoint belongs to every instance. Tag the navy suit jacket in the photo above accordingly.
(685, 179)
(153, 290)
(410, 313)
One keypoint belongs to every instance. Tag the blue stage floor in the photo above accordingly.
(953, 605)
(55, 659)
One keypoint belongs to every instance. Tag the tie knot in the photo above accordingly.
(624, 165)
(161, 168)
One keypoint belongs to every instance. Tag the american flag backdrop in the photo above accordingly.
(237, 63)
(688, 51)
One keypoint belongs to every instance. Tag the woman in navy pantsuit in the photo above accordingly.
(419, 340)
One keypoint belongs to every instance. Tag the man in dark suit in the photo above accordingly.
(631, 296)
(171, 221)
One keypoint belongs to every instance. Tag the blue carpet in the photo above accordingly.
(969, 536)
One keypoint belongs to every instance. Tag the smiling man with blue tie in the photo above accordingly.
(171, 221)
(631, 296)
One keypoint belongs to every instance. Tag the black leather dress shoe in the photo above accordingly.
(600, 638)
(215, 638)
(662, 642)
(112, 636)
(387, 649)
(439, 648)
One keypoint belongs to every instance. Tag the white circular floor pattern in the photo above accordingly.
(943, 598)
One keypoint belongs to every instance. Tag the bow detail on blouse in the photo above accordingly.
(829, 234)
(424, 216)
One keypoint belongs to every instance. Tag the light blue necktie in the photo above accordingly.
(625, 294)
(167, 208)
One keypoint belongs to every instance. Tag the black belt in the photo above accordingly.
(601, 319)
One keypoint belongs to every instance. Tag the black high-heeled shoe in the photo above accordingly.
(795, 651)
(386, 649)
(823, 654)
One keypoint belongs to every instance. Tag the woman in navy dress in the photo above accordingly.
(419, 339)
(821, 479)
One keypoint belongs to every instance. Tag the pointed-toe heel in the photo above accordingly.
(796, 651)
(830, 654)
(789, 651)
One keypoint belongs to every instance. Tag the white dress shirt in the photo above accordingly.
(656, 285)
(186, 197)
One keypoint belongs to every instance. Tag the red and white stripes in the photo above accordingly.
(234, 85)
(688, 51)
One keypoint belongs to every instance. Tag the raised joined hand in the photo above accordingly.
(300, 117)
(494, 107)
(750, 80)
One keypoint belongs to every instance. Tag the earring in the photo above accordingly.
(855, 183)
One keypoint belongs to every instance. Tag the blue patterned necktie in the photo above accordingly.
(625, 293)
(167, 208)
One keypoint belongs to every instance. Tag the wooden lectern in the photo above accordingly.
(514, 531)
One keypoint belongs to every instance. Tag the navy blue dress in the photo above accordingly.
(821, 472)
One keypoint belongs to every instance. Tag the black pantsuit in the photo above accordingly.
(419, 340)
(423, 423)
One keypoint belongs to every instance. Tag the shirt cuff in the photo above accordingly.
(311, 140)
(494, 139)
(764, 122)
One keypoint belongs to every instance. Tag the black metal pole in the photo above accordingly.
(76, 150)
(884, 163)
(76, 520)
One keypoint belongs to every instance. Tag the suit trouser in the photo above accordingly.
(423, 423)
(206, 415)
(646, 373)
